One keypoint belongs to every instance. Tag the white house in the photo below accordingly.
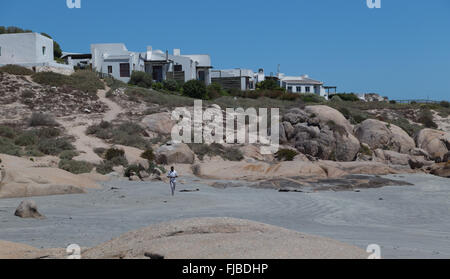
(31, 50)
(302, 84)
(242, 79)
(118, 61)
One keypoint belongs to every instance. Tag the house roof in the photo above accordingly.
(300, 80)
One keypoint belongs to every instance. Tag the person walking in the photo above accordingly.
(173, 179)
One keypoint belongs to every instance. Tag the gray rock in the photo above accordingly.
(28, 209)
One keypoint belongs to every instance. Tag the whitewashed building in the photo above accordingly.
(242, 79)
(31, 50)
(116, 60)
(302, 84)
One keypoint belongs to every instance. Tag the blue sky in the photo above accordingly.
(401, 50)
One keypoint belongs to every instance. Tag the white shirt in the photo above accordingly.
(172, 175)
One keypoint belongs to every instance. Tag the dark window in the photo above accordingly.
(124, 69)
(43, 50)
(109, 69)
(201, 75)
(0, 51)
(178, 68)
(299, 89)
(289, 88)
(308, 89)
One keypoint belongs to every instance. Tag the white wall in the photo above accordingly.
(25, 48)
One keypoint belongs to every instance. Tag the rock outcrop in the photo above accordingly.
(174, 153)
(219, 238)
(382, 135)
(436, 143)
(320, 131)
(28, 209)
(24, 178)
(160, 123)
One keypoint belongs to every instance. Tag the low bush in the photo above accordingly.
(8, 147)
(68, 154)
(157, 86)
(26, 138)
(7, 132)
(141, 79)
(54, 146)
(113, 153)
(85, 81)
(216, 149)
(16, 70)
(170, 85)
(350, 97)
(75, 167)
(426, 118)
(134, 169)
(195, 89)
(286, 155)
(365, 150)
(149, 155)
(42, 119)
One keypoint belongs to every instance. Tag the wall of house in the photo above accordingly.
(25, 48)
(115, 63)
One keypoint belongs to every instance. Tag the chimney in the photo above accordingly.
(149, 52)
(176, 52)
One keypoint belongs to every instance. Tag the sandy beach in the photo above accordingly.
(406, 221)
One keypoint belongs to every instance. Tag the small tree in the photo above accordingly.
(195, 89)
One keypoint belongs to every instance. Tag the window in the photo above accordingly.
(299, 89)
(109, 69)
(43, 50)
(0, 51)
(289, 88)
(308, 89)
(124, 69)
(201, 75)
(178, 68)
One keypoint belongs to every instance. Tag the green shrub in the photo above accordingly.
(268, 84)
(350, 97)
(365, 150)
(8, 147)
(54, 146)
(157, 86)
(68, 154)
(16, 70)
(42, 119)
(100, 151)
(426, 118)
(26, 138)
(148, 155)
(48, 132)
(7, 132)
(75, 167)
(141, 79)
(195, 89)
(311, 98)
(113, 153)
(105, 167)
(85, 81)
(136, 169)
(170, 85)
(216, 149)
(336, 99)
(286, 155)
